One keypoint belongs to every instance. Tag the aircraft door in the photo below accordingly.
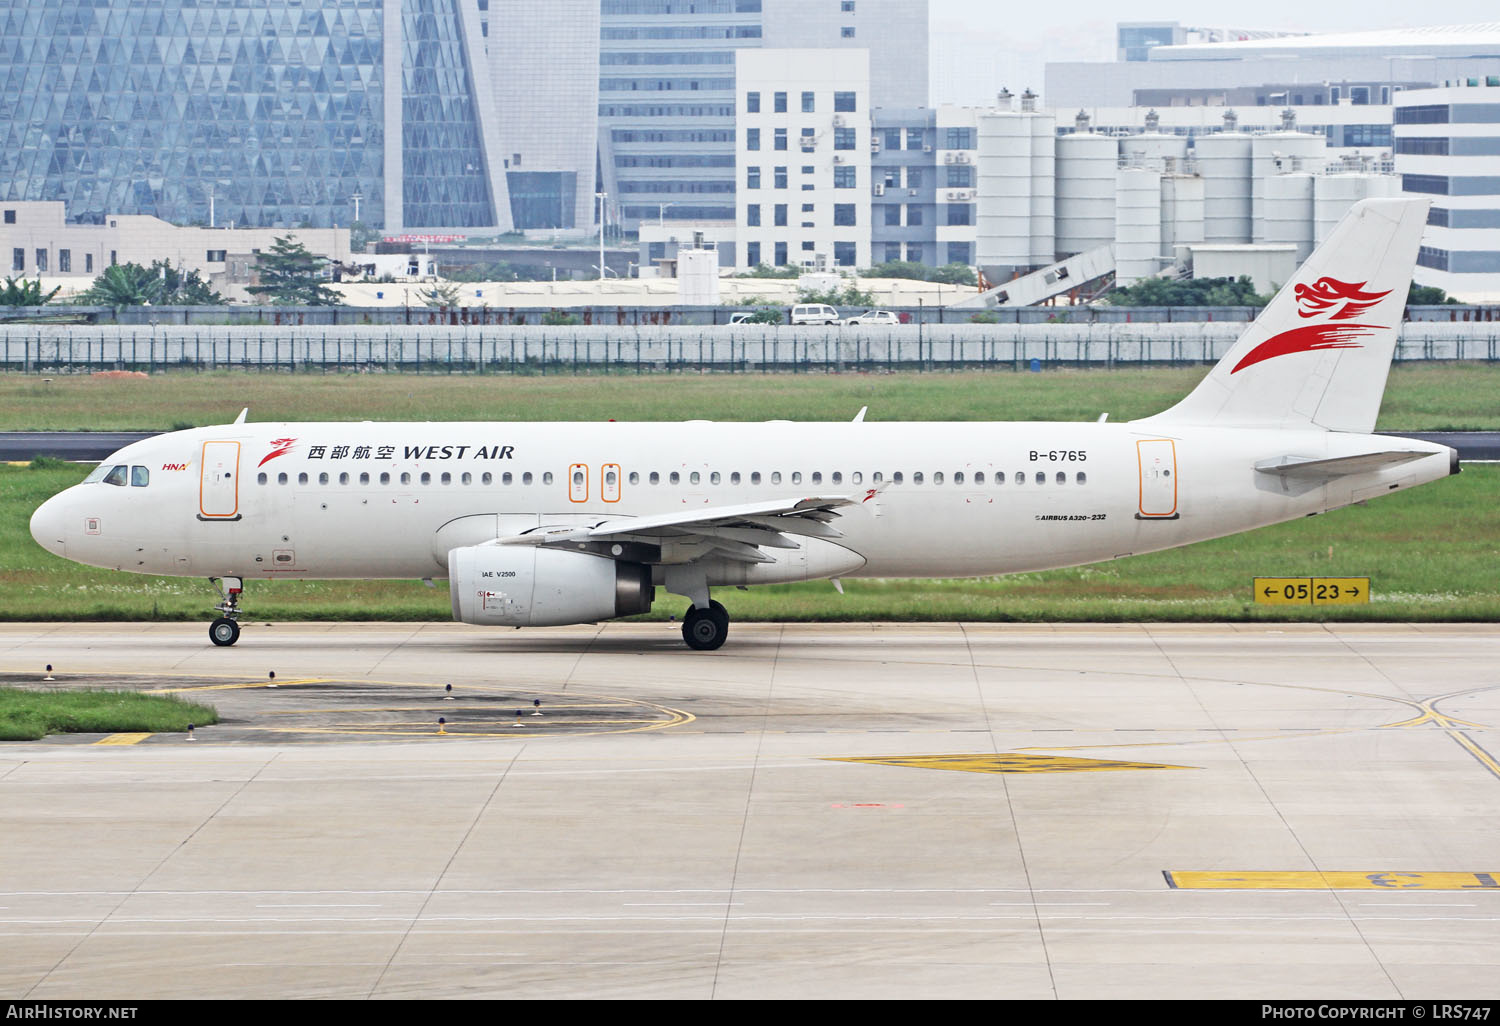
(1157, 458)
(219, 482)
(609, 482)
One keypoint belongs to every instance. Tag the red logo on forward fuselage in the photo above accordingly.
(1339, 301)
(282, 447)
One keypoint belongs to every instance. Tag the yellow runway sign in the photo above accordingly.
(1311, 591)
(1255, 880)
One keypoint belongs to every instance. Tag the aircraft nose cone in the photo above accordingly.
(47, 526)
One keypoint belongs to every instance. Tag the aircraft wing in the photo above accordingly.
(734, 532)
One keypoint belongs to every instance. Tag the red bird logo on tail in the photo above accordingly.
(1327, 293)
(1340, 301)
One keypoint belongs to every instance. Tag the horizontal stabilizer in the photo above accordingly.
(1307, 467)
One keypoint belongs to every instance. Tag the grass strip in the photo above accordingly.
(1429, 396)
(28, 715)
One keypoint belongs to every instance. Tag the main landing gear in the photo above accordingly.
(705, 629)
(226, 629)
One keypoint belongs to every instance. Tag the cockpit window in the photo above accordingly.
(118, 476)
(140, 477)
(97, 474)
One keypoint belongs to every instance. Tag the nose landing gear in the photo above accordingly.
(226, 629)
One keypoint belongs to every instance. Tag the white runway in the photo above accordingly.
(1104, 811)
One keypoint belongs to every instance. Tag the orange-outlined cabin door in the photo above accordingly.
(1158, 465)
(219, 482)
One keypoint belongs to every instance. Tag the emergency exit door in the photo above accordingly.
(219, 482)
(1157, 458)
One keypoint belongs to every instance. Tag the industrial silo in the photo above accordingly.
(1224, 162)
(1085, 192)
(1138, 242)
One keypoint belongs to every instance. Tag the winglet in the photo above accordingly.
(241, 418)
(859, 418)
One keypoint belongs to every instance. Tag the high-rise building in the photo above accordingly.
(667, 88)
(543, 69)
(276, 113)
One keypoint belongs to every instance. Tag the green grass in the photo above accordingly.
(1431, 554)
(28, 715)
(1419, 397)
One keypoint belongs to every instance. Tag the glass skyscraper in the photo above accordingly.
(270, 112)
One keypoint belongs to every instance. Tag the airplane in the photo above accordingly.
(544, 524)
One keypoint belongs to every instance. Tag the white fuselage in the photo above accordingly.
(376, 500)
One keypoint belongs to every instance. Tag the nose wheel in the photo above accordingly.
(225, 630)
(705, 629)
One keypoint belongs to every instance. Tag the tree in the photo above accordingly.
(440, 296)
(126, 284)
(1427, 295)
(184, 288)
(949, 274)
(1190, 292)
(24, 292)
(765, 270)
(290, 275)
(361, 235)
(161, 284)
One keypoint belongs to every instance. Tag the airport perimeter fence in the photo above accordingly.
(739, 349)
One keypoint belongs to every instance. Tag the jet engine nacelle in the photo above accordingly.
(528, 586)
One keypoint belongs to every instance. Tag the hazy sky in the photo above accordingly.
(979, 45)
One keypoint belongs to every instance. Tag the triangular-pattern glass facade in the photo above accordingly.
(273, 107)
(445, 181)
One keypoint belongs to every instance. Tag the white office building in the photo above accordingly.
(1448, 149)
(667, 88)
(802, 156)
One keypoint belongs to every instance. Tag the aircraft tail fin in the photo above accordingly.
(1319, 353)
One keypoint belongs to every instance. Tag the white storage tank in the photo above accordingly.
(1014, 212)
(1137, 224)
(698, 277)
(1333, 195)
(1043, 188)
(1181, 211)
(1285, 213)
(1157, 151)
(1224, 162)
(1273, 155)
(1085, 192)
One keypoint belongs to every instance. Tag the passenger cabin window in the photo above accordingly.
(261, 478)
(118, 476)
(281, 478)
(1082, 478)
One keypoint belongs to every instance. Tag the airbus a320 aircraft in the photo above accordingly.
(544, 524)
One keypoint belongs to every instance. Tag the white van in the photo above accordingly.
(814, 313)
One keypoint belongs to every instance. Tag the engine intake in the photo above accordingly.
(529, 586)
